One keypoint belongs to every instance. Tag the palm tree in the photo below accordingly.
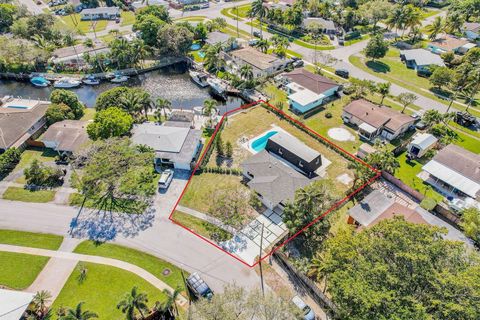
(246, 72)
(281, 44)
(263, 45)
(318, 269)
(162, 105)
(383, 89)
(78, 314)
(132, 102)
(133, 301)
(260, 11)
(169, 307)
(454, 22)
(212, 60)
(40, 301)
(210, 109)
(437, 26)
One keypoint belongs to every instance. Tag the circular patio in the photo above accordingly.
(340, 134)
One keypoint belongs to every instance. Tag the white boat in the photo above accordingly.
(91, 80)
(199, 78)
(40, 82)
(119, 78)
(218, 87)
(66, 83)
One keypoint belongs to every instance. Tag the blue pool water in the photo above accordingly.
(201, 54)
(260, 143)
(17, 107)
(195, 46)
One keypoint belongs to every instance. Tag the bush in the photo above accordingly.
(8, 160)
(428, 204)
(58, 112)
(328, 115)
(41, 175)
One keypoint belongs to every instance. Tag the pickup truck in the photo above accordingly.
(199, 287)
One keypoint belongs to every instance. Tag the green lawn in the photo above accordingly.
(127, 18)
(32, 153)
(232, 13)
(467, 142)
(30, 239)
(88, 114)
(408, 174)
(73, 22)
(20, 194)
(18, 270)
(144, 260)
(350, 42)
(200, 226)
(102, 289)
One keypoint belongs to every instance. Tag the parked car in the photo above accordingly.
(421, 125)
(199, 287)
(341, 41)
(165, 179)
(342, 73)
(308, 313)
(256, 34)
(298, 63)
(117, 20)
(253, 42)
(465, 119)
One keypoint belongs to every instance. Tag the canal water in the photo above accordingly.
(173, 84)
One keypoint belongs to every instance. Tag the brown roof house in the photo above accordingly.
(449, 43)
(74, 55)
(20, 120)
(455, 172)
(373, 120)
(262, 64)
(66, 137)
(307, 91)
(377, 206)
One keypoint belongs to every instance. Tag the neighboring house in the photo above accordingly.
(13, 304)
(284, 166)
(326, 26)
(100, 13)
(181, 118)
(420, 59)
(374, 121)
(455, 172)
(74, 55)
(262, 64)
(471, 30)
(66, 137)
(307, 90)
(142, 3)
(447, 43)
(174, 146)
(20, 120)
(376, 207)
(421, 143)
(216, 37)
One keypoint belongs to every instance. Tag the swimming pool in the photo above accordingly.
(260, 143)
(201, 54)
(195, 46)
(17, 107)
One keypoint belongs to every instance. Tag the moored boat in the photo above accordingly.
(199, 78)
(39, 82)
(218, 87)
(91, 80)
(66, 83)
(119, 78)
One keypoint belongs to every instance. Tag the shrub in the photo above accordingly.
(328, 115)
(428, 203)
(41, 175)
(8, 160)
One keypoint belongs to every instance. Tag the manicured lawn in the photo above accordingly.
(20, 194)
(73, 22)
(350, 42)
(232, 12)
(202, 186)
(191, 19)
(152, 264)
(102, 289)
(467, 142)
(200, 226)
(41, 154)
(127, 18)
(408, 174)
(30, 239)
(18, 270)
(89, 113)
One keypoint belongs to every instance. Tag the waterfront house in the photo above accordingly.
(216, 37)
(100, 13)
(284, 166)
(66, 137)
(454, 172)
(448, 43)
(421, 60)
(471, 30)
(20, 121)
(421, 143)
(74, 55)
(174, 146)
(262, 64)
(307, 91)
(324, 25)
(375, 121)
(377, 206)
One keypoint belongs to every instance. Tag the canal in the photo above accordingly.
(171, 83)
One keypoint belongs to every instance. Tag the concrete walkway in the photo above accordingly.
(75, 257)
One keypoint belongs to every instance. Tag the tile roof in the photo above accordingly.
(472, 26)
(255, 58)
(313, 82)
(448, 42)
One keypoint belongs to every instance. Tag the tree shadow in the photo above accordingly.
(106, 226)
(443, 94)
(378, 66)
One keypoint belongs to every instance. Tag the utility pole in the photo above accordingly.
(260, 260)
(238, 34)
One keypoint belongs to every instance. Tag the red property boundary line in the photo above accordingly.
(321, 216)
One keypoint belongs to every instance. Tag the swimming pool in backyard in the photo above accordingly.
(261, 142)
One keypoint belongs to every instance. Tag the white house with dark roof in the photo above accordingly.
(471, 30)
(420, 59)
(100, 13)
(326, 26)
(174, 146)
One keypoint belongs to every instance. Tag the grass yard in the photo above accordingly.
(152, 264)
(242, 12)
(30, 239)
(127, 18)
(73, 22)
(102, 289)
(18, 270)
(89, 113)
(20, 194)
(350, 42)
(200, 226)
(467, 142)
(32, 153)
(408, 174)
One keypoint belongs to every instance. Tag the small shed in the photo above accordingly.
(421, 143)
(364, 150)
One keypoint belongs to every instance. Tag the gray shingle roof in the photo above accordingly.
(68, 135)
(372, 206)
(295, 146)
(423, 57)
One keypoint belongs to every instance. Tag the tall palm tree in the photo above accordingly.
(133, 301)
(437, 26)
(383, 89)
(246, 72)
(40, 301)
(169, 307)
(132, 102)
(454, 22)
(78, 314)
(260, 11)
(280, 44)
(162, 106)
(212, 60)
(210, 109)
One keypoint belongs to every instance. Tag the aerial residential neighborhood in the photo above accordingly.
(249, 159)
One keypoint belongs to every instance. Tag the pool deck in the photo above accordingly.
(16, 103)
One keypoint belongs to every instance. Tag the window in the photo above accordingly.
(280, 151)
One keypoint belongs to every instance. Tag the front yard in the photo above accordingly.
(21, 194)
(18, 271)
(200, 226)
(30, 239)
